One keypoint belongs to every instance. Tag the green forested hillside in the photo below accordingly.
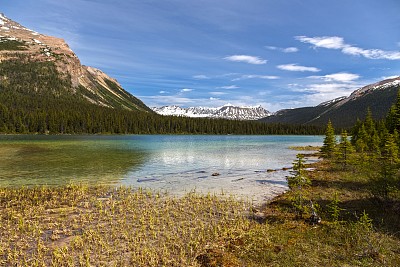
(342, 115)
(35, 98)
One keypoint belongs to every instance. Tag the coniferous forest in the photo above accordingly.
(373, 150)
(35, 98)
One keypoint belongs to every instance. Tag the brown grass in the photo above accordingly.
(80, 225)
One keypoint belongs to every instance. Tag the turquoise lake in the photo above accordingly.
(172, 163)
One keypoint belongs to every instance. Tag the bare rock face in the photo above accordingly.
(100, 88)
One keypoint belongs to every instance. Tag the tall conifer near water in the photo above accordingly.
(344, 150)
(328, 147)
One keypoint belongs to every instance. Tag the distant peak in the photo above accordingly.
(227, 111)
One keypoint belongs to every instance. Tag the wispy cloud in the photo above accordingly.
(201, 77)
(185, 90)
(228, 87)
(338, 77)
(166, 100)
(335, 42)
(295, 67)
(246, 59)
(217, 93)
(314, 94)
(254, 76)
(284, 50)
(389, 77)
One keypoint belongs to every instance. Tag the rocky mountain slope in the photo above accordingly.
(21, 45)
(225, 112)
(344, 111)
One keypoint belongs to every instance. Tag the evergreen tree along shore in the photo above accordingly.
(34, 98)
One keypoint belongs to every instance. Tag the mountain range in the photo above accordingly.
(225, 112)
(344, 111)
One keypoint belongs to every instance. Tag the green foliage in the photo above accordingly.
(297, 182)
(344, 150)
(365, 222)
(11, 45)
(328, 147)
(386, 183)
(334, 209)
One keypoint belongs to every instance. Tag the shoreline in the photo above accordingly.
(124, 226)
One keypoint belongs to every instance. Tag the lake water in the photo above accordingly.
(175, 163)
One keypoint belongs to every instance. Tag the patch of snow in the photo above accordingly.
(5, 28)
(326, 103)
(15, 27)
(3, 17)
(37, 41)
(35, 33)
(2, 22)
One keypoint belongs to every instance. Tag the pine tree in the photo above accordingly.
(344, 150)
(328, 147)
(396, 119)
(361, 140)
(297, 182)
(387, 180)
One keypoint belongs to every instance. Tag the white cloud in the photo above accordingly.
(338, 77)
(315, 94)
(246, 59)
(184, 90)
(389, 77)
(217, 93)
(254, 76)
(213, 98)
(166, 100)
(335, 42)
(371, 53)
(229, 87)
(290, 50)
(285, 50)
(163, 92)
(295, 67)
(201, 77)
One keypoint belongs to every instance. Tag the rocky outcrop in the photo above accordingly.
(19, 42)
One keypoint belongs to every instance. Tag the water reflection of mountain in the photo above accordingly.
(61, 160)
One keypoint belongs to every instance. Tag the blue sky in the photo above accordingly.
(278, 54)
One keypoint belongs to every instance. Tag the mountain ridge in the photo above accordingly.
(344, 111)
(227, 111)
(25, 45)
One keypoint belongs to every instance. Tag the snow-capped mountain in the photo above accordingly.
(225, 112)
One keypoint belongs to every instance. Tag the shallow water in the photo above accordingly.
(175, 163)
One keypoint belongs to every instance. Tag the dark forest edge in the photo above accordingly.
(36, 99)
